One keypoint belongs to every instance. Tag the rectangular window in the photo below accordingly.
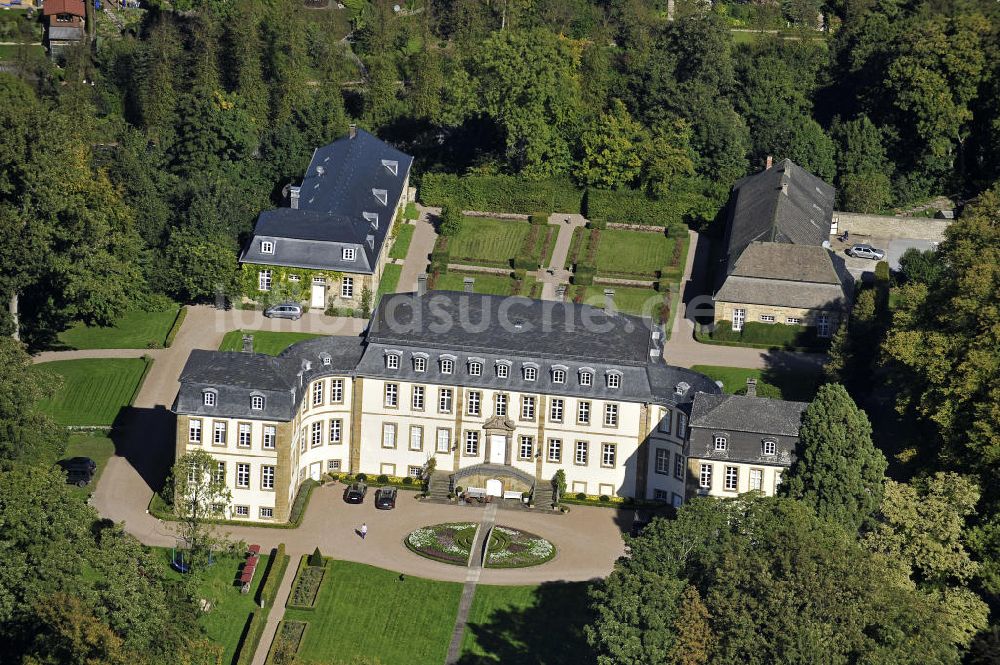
(500, 404)
(415, 471)
(793, 320)
(316, 434)
(349, 253)
(583, 413)
(527, 448)
(293, 278)
(720, 442)
(660, 495)
(336, 391)
(303, 441)
(443, 440)
(769, 447)
(665, 417)
(317, 391)
(419, 364)
(444, 400)
(473, 402)
(472, 442)
(336, 431)
(242, 475)
(389, 435)
(270, 433)
(678, 466)
(767, 318)
(347, 287)
(555, 450)
(333, 465)
(823, 325)
(264, 280)
(392, 395)
(220, 472)
(266, 247)
(556, 410)
(614, 380)
(756, 479)
(416, 437)
(732, 478)
(266, 513)
(705, 479)
(558, 376)
(241, 511)
(662, 461)
(503, 370)
(219, 433)
(243, 437)
(391, 361)
(611, 415)
(475, 368)
(586, 378)
(267, 477)
(609, 453)
(739, 318)
(527, 407)
(681, 425)
(447, 365)
(208, 398)
(581, 452)
(417, 398)
(530, 373)
(194, 430)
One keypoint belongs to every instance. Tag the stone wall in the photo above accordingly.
(888, 227)
(724, 312)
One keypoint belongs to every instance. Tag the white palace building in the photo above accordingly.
(492, 388)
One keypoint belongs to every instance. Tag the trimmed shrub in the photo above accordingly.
(580, 496)
(604, 498)
(408, 480)
(500, 193)
(361, 477)
(584, 274)
(316, 558)
(539, 218)
(382, 479)
(451, 220)
(597, 224)
(882, 271)
(524, 263)
(634, 207)
(301, 500)
(770, 334)
(176, 327)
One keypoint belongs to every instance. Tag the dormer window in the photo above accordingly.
(392, 361)
(419, 364)
(769, 447)
(391, 165)
(613, 379)
(558, 375)
(327, 360)
(266, 247)
(447, 365)
(586, 377)
(372, 218)
(350, 253)
(721, 442)
(208, 397)
(530, 372)
(682, 388)
(257, 402)
(382, 195)
(503, 369)
(475, 368)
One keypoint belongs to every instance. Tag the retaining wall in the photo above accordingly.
(890, 227)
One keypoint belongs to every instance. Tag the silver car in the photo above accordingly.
(866, 252)
(286, 310)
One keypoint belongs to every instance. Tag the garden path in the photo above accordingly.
(421, 246)
(475, 570)
(566, 223)
(276, 614)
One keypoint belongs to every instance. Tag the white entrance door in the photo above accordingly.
(318, 296)
(315, 469)
(498, 449)
(494, 487)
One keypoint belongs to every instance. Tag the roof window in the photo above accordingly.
(382, 195)
(391, 165)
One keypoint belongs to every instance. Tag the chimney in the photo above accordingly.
(770, 162)
(751, 387)
(467, 284)
(353, 131)
(247, 343)
(421, 284)
(293, 196)
(609, 301)
(561, 292)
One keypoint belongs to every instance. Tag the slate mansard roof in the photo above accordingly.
(746, 422)
(551, 335)
(338, 205)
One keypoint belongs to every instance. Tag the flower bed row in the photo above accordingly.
(447, 543)
(513, 548)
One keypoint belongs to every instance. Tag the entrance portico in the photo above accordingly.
(498, 434)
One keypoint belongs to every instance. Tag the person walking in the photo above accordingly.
(364, 530)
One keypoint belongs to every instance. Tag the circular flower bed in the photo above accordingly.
(448, 543)
(513, 548)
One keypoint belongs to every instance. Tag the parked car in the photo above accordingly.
(385, 498)
(866, 252)
(286, 310)
(79, 470)
(355, 493)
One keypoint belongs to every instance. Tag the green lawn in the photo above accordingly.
(528, 624)
(401, 245)
(94, 390)
(390, 280)
(796, 385)
(134, 330)
(628, 299)
(633, 252)
(488, 241)
(366, 612)
(230, 609)
(264, 341)
(95, 446)
(493, 284)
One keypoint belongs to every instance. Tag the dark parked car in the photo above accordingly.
(355, 493)
(866, 252)
(385, 498)
(286, 310)
(79, 470)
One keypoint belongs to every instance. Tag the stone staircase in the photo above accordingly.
(543, 494)
(439, 486)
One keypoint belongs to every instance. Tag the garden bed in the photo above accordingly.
(286, 642)
(447, 543)
(306, 587)
(513, 548)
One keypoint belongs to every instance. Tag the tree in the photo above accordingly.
(451, 220)
(837, 470)
(200, 494)
(26, 435)
(694, 634)
(199, 265)
(612, 149)
(66, 632)
(920, 267)
(668, 158)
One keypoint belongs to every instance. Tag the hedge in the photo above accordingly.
(266, 595)
(500, 193)
(634, 207)
(584, 275)
(770, 334)
(176, 327)
(539, 218)
(597, 223)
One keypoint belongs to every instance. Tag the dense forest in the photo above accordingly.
(134, 170)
